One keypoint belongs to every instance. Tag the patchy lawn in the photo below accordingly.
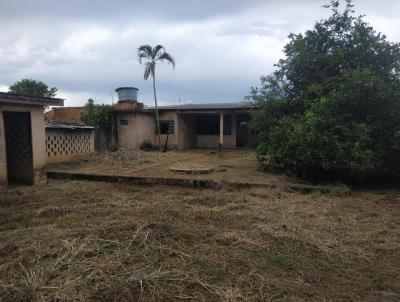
(236, 165)
(93, 241)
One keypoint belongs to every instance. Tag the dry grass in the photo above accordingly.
(237, 165)
(91, 241)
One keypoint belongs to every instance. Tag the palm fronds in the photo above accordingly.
(149, 69)
(145, 52)
(167, 57)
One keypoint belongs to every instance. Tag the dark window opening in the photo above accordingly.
(209, 125)
(167, 127)
(123, 122)
(227, 125)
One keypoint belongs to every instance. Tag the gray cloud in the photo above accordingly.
(88, 48)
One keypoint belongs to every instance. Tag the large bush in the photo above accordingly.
(97, 115)
(332, 107)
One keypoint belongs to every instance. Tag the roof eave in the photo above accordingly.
(29, 100)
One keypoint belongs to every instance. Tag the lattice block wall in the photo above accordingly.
(66, 144)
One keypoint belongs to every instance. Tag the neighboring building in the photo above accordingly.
(68, 115)
(213, 125)
(22, 138)
(65, 142)
(66, 135)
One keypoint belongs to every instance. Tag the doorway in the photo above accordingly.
(18, 133)
(241, 131)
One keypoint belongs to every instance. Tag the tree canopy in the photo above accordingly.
(30, 87)
(331, 109)
(97, 115)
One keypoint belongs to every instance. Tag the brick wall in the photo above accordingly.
(66, 144)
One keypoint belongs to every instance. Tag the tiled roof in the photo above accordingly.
(64, 114)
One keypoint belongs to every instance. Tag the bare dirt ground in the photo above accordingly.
(238, 165)
(95, 241)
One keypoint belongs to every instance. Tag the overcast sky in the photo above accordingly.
(221, 47)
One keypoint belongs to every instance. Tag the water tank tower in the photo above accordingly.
(127, 99)
(126, 94)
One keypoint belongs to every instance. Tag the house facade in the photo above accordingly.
(22, 138)
(189, 126)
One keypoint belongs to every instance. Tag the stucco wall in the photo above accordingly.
(172, 138)
(139, 130)
(212, 141)
(38, 145)
(66, 144)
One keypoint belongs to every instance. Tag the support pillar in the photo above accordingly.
(3, 155)
(221, 134)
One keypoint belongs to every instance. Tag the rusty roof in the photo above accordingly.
(16, 99)
(66, 126)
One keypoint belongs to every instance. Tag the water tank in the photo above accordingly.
(127, 94)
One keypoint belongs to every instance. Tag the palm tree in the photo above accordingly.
(152, 55)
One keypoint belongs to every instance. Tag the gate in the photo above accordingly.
(18, 132)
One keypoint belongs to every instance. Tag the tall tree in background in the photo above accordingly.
(30, 87)
(151, 56)
(332, 107)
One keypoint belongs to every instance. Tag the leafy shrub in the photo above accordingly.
(97, 115)
(332, 107)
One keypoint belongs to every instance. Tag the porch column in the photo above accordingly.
(221, 134)
(3, 155)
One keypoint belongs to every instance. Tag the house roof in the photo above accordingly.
(206, 106)
(64, 114)
(11, 98)
(66, 126)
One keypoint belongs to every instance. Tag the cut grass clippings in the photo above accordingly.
(99, 241)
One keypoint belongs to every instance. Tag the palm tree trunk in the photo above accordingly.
(157, 118)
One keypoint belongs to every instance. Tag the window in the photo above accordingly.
(123, 122)
(167, 127)
(209, 125)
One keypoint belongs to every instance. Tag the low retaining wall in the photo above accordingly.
(196, 183)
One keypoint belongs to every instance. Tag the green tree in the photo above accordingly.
(153, 55)
(331, 109)
(30, 87)
(97, 115)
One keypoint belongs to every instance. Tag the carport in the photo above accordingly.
(22, 138)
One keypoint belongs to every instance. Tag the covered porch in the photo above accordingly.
(212, 129)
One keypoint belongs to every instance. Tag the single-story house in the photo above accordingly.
(187, 126)
(22, 138)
